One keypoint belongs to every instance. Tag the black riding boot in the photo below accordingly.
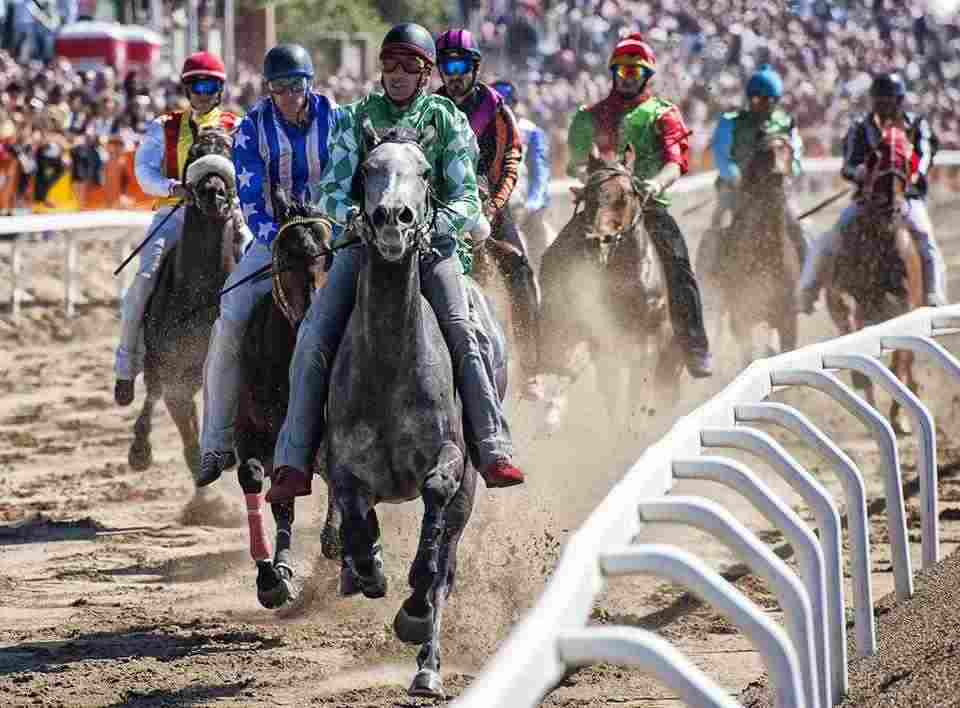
(686, 309)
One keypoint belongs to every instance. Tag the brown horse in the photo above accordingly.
(604, 288)
(757, 266)
(298, 273)
(877, 273)
(182, 309)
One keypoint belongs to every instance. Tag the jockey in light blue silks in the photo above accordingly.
(888, 92)
(281, 143)
(734, 140)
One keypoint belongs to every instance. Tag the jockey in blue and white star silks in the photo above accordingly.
(281, 143)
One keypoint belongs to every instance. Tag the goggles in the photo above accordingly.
(291, 84)
(409, 64)
(505, 90)
(206, 87)
(632, 71)
(456, 67)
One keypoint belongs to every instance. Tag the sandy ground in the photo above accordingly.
(119, 589)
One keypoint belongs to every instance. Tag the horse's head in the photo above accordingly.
(889, 170)
(772, 160)
(611, 203)
(299, 250)
(396, 188)
(210, 174)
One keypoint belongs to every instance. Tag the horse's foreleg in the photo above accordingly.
(415, 619)
(183, 410)
(330, 544)
(903, 369)
(362, 562)
(140, 455)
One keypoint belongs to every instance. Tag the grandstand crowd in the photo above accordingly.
(55, 120)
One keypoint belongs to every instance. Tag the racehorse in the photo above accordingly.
(877, 272)
(182, 309)
(395, 429)
(756, 266)
(298, 272)
(604, 286)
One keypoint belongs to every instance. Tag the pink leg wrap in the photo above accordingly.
(259, 545)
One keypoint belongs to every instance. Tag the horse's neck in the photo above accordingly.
(388, 305)
(200, 252)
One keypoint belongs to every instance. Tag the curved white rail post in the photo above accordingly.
(778, 653)
(809, 554)
(629, 646)
(833, 634)
(797, 611)
(927, 467)
(855, 493)
(892, 481)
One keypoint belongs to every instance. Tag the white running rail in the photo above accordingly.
(537, 655)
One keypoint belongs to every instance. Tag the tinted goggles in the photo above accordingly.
(206, 87)
(291, 84)
(456, 67)
(409, 64)
(632, 71)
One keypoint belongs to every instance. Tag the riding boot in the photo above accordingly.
(308, 422)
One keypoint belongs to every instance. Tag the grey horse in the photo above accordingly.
(394, 416)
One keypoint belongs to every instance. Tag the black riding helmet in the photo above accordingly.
(287, 60)
(888, 85)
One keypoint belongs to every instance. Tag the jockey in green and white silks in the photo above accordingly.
(734, 141)
(888, 92)
(407, 57)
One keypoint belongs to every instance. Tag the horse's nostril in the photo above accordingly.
(379, 217)
(406, 216)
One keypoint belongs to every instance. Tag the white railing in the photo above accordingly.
(807, 666)
(122, 225)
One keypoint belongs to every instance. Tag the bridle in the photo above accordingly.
(597, 179)
(278, 269)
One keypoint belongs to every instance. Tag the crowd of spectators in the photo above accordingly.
(557, 52)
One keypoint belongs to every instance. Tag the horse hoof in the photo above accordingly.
(348, 581)
(411, 629)
(330, 545)
(140, 456)
(427, 684)
(274, 588)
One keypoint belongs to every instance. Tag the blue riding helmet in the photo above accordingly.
(765, 82)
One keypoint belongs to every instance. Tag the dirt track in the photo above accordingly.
(119, 592)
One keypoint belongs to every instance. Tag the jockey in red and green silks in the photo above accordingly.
(735, 140)
(654, 128)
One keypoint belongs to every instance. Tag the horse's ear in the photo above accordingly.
(281, 205)
(629, 157)
(370, 138)
(594, 160)
(577, 193)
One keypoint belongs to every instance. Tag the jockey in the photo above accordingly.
(536, 155)
(888, 92)
(280, 144)
(501, 152)
(653, 126)
(407, 56)
(159, 169)
(734, 140)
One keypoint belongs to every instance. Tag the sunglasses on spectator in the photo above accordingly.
(291, 84)
(456, 67)
(410, 64)
(632, 71)
(206, 87)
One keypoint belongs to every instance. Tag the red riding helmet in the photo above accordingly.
(633, 51)
(203, 64)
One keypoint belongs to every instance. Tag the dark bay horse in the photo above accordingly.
(757, 266)
(395, 428)
(604, 287)
(300, 253)
(877, 272)
(182, 309)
